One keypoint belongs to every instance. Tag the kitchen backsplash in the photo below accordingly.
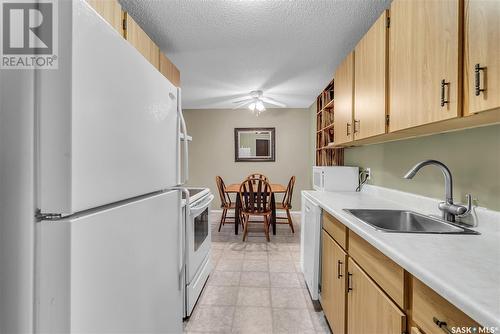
(473, 156)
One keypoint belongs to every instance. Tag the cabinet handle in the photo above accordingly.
(359, 125)
(442, 324)
(443, 92)
(477, 77)
(347, 129)
(339, 269)
(349, 278)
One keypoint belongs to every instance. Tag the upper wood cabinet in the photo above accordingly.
(344, 94)
(169, 70)
(369, 309)
(141, 41)
(424, 58)
(482, 56)
(370, 78)
(333, 278)
(111, 11)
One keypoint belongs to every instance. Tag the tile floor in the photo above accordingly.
(256, 286)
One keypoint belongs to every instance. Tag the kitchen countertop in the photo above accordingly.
(464, 269)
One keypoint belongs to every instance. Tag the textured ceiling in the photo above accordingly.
(224, 49)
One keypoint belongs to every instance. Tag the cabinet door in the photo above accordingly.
(327, 275)
(370, 81)
(111, 11)
(369, 310)
(344, 93)
(423, 62)
(333, 284)
(428, 308)
(141, 41)
(415, 330)
(169, 70)
(482, 50)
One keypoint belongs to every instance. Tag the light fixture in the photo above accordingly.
(260, 106)
(257, 106)
(255, 102)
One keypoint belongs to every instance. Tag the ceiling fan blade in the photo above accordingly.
(243, 101)
(244, 98)
(242, 104)
(272, 101)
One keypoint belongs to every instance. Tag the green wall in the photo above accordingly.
(472, 155)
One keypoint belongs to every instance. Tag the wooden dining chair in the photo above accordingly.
(255, 198)
(257, 176)
(225, 201)
(286, 204)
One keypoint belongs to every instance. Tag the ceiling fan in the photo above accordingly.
(255, 102)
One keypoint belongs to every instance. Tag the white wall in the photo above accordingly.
(16, 201)
(212, 150)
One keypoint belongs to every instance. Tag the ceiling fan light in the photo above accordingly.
(252, 106)
(260, 106)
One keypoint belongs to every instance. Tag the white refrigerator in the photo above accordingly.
(108, 232)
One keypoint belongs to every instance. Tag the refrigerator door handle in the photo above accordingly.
(186, 151)
(185, 161)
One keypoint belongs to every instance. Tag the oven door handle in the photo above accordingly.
(196, 210)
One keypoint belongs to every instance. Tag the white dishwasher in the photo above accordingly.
(310, 244)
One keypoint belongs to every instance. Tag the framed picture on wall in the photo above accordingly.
(254, 144)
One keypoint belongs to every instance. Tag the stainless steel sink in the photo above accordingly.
(402, 221)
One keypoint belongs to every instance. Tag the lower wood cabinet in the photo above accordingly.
(369, 310)
(335, 229)
(365, 292)
(333, 280)
(385, 272)
(415, 330)
(433, 313)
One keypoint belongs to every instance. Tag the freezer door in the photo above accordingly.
(114, 271)
(107, 118)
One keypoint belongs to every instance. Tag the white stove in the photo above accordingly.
(195, 194)
(198, 244)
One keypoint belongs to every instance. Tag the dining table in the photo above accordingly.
(276, 188)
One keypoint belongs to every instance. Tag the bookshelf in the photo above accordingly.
(326, 154)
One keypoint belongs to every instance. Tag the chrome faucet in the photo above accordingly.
(449, 209)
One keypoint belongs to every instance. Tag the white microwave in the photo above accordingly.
(335, 178)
